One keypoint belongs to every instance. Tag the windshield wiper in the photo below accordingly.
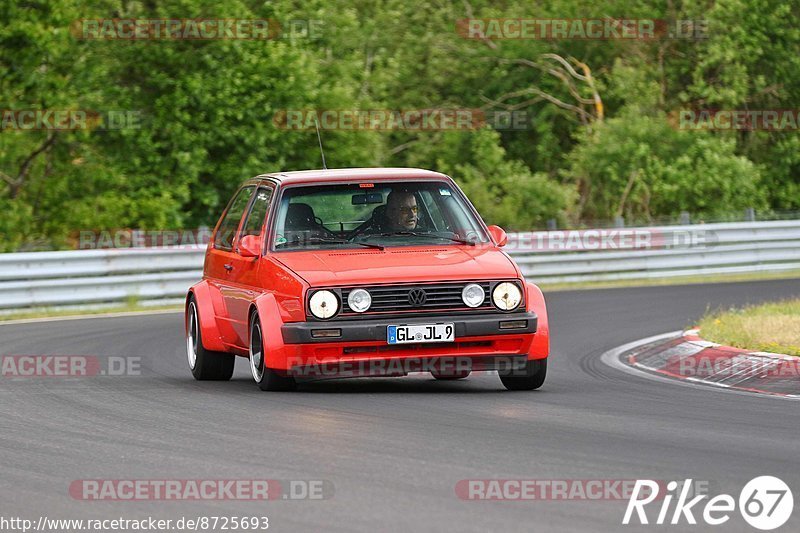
(338, 241)
(428, 235)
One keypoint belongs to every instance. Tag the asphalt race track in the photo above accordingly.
(393, 449)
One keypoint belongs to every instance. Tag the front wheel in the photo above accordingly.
(529, 378)
(266, 378)
(204, 364)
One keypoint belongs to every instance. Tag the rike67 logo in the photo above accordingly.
(765, 503)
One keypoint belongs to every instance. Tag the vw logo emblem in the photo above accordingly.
(417, 297)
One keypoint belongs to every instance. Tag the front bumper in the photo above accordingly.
(482, 325)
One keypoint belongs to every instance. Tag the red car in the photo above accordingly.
(362, 272)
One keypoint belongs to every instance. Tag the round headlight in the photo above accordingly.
(359, 300)
(323, 304)
(473, 295)
(506, 296)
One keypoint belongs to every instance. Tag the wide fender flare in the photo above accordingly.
(269, 314)
(209, 330)
(535, 302)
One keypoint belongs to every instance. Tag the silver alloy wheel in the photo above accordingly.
(192, 336)
(256, 351)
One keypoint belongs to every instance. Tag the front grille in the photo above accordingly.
(438, 297)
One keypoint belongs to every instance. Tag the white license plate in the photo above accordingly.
(420, 333)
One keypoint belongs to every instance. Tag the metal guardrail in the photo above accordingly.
(656, 252)
(161, 275)
(92, 277)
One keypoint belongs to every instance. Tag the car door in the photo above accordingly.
(242, 285)
(220, 259)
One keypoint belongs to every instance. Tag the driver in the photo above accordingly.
(401, 211)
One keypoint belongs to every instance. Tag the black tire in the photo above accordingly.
(266, 378)
(204, 364)
(450, 376)
(532, 378)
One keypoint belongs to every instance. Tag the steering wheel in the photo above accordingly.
(361, 229)
(321, 226)
(371, 222)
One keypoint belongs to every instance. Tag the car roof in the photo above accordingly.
(346, 174)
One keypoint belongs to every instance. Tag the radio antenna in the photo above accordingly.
(319, 138)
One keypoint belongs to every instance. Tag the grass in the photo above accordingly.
(772, 327)
(134, 307)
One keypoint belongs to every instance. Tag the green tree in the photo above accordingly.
(641, 167)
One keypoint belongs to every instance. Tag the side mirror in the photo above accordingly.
(250, 246)
(498, 235)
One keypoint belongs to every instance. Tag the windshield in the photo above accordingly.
(374, 215)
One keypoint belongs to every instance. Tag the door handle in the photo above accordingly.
(228, 267)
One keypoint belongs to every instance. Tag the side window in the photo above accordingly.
(258, 212)
(227, 228)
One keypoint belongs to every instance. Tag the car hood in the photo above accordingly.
(398, 265)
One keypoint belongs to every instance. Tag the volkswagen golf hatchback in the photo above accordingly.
(362, 272)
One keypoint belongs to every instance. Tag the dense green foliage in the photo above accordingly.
(207, 109)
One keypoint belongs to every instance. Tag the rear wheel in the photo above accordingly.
(449, 376)
(266, 378)
(204, 364)
(529, 378)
